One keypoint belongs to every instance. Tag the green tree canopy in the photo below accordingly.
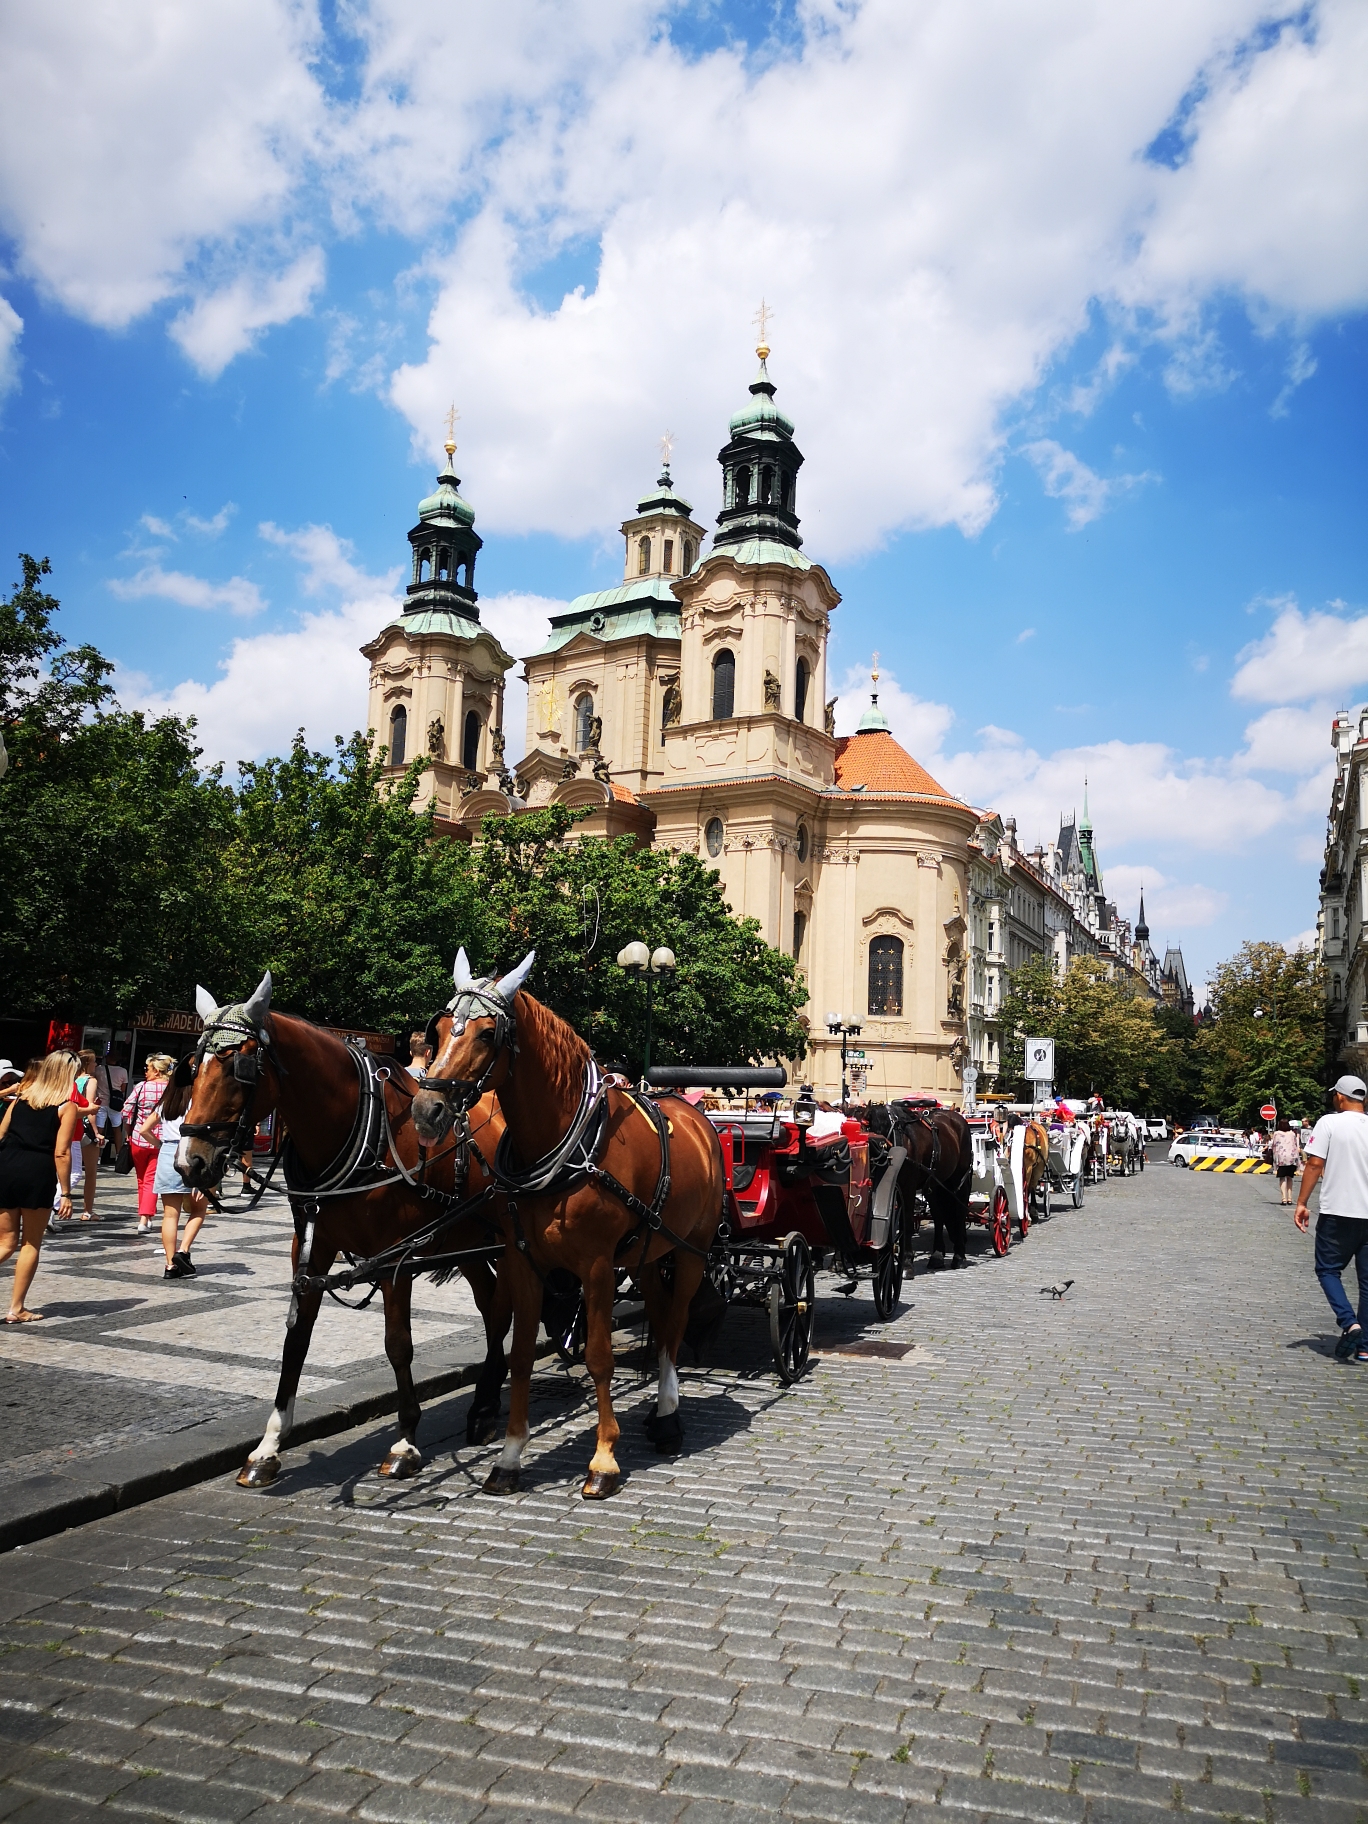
(1108, 1040)
(1263, 1037)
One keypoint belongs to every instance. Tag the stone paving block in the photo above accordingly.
(391, 1761)
(410, 1805)
(185, 1801)
(844, 1806)
(611, 1803)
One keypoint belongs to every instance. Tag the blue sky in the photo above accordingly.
(1069, 312)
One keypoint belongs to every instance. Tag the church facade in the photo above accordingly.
(687, 707)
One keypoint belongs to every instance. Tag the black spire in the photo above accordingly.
(1141, 928)
(760, 468)
(444, 546)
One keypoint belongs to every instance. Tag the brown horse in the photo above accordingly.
(1035, 1161)
(597, 1178)
(350, 1124)
(939, 1166)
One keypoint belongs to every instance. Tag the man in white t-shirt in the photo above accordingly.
(1337, 1159)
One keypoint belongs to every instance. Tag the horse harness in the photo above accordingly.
(924, 1116)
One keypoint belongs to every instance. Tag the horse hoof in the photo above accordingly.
(666, 1434)
(960, 1260)
(258, 1472)
(482, 1426)
(400, 1468)
(600, 1485)
(501, 1481)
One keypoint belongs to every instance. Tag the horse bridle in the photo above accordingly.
(465, 1005)
(246, 1072)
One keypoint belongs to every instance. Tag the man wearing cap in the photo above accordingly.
(1337, 1159)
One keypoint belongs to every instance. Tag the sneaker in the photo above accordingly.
(176, 1270)
(1349, 1341)
(187, 1266)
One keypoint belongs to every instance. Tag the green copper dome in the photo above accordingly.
(762, 416)
(446, 506)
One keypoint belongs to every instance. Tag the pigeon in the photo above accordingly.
(1057, 1291)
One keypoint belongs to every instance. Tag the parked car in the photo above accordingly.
(1156, 1128)
(1208, 1143)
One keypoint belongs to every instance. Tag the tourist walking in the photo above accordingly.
(420, 1055)
(112, 1078)
(1337, 1159)
(164, 1125)
(88, 1098)
(40, 1127)
(144, 1101)
(1285, 1149)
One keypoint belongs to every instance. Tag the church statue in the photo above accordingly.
(570, 768)
(437, 738)
(673, 706)
(830, 718)
(601, 772)
(496, 747)
(774, 691)
(595, 733)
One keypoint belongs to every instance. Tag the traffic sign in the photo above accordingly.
(855, 1054)
(1268, 1112)
(1040, 1060)
(969, 1076)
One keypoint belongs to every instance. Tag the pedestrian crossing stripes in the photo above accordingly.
(1224, 1163)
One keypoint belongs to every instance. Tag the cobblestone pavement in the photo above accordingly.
(1088, 1560)
(123, 1355)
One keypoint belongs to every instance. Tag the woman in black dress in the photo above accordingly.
(36, 1138)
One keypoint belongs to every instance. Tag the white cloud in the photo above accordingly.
(326, 560)
(11, 328)
(1289, 740)
(1169, 904)
(1303, 655)
(237, 595)
(1304, 940)
(919, 725)
(1085, 493)
(209, 528)
(224, 323)
(1300, 367)
(1027, 633)
(159, 528)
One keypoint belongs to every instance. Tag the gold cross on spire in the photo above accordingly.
(761, 321)
(874, 673)
(451, 419)
(667, 447)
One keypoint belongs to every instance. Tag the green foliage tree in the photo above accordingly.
(1263, 1038)
(732, 999)
(111, 830)
(1108, 1040)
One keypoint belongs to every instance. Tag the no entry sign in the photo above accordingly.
(1268, 1112)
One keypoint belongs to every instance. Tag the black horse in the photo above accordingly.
(939, 1165)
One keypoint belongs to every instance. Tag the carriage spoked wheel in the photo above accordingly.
(888, 1264)
(1077, 1192)
(792, 1307)
(1001, 1227)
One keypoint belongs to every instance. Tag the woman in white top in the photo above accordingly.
(164, 1126)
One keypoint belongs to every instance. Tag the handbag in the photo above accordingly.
(123, 1156)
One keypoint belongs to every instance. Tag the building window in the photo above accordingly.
(688, 556)
(786, 492)
(802, 842)
(398, 736)
(1334, 923)
(800, 690)
(886, 976)
(1337, 987)
(712, 836)
(742, 491)
(643, 556)
(424, 566)
(470, 747)
(766, 486)
(799, 933)
(443, 566)
(584, 716)
(724, 685)
(667, 563)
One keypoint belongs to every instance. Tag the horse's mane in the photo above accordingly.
(562, 1051)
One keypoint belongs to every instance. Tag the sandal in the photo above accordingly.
(25, 1317)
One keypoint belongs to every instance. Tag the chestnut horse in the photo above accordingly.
(350, 1124)
(1035, 1161)
(597, 1177)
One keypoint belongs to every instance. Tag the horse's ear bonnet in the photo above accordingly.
(508, 985)
(260, 1004)
(205, 1004)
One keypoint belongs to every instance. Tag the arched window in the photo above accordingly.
(688, 556)
(470, 746)
(766, 486)
(886, 976)
(786, 491)
(584, 715)
(443, 566)
(802, 843)
(800, 690)
(398, 735)
(799, 933)
(742, 498)
(424, 566)
(667, 563)
(713, 836)
(643, 556)
(724, 685)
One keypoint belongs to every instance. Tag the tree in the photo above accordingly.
(111, 830)
(732, 999)
(1263, 1039)
(1108, 1040)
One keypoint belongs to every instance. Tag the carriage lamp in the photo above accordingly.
(805, 1107)
(636, 959)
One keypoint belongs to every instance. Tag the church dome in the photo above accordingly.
(762, 417)
(446, 507)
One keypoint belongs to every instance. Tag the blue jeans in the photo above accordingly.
(1340, 1239)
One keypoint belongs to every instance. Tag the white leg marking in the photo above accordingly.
(276, 1428)
(667, 1399)
(513, 1447)
(402, 1448)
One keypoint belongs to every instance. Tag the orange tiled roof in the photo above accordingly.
(875, 761)
(621, 793)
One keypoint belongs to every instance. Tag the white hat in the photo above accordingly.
(6, 1067)
(1353, 1087)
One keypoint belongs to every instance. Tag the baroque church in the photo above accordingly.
(688, 707)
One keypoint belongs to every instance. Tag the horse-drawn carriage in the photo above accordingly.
(806, 1191)
(1125, 1148)
(1070, 1147)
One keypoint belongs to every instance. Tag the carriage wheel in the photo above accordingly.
(792, 1307)
(1078, 1192)
(888, 1264)
(1001, 1223)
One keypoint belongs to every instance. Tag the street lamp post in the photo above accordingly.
(843, 1029)
(636, 959)
(1258, 1015)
